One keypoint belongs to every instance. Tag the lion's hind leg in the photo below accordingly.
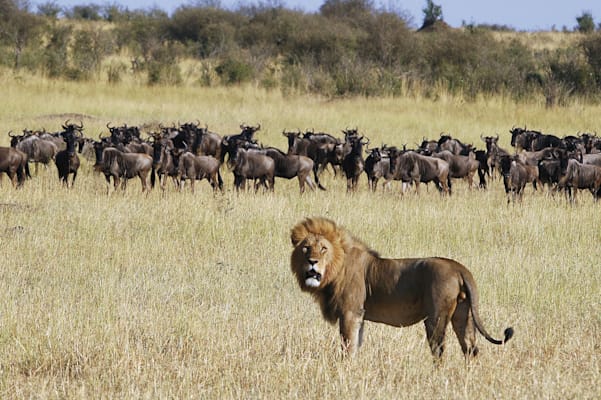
(436, 326)
(463, 325)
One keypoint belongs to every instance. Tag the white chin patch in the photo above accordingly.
(312, 282)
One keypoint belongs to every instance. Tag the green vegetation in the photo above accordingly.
(348, 48)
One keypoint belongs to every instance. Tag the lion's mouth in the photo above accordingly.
(312, 278)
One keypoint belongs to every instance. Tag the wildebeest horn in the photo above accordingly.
(497, 136)
(258, 127)
(482, 138)
(9, 134)
(107, 125)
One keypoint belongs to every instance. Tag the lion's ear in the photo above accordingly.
(298, 234)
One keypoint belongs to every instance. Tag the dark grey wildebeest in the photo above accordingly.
(124, 166)
(13, 162)
(192, 167)
(581, 176)
(413, 168)
(250, 164)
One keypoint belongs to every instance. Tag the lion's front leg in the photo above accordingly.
(351, 330)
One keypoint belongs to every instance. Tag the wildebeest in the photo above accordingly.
(162, 161)
(38, 150)
(192, 167)
(428, 146)
(377, 166)
(67, 161)
(549, 173)
(248, 164)
(592, 159)
(493, 153)
(516, 175)
(353, 163)
(460, 167)
(120, 165)
(524, 139)
(483, 167)
(318, 152)
(411, 167)
(331, 148)
(455, 146)
(13, 162)
(288, 166)
(581, 176)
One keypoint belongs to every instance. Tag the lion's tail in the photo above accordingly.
(472, 294)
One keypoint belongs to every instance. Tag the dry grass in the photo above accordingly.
(174, 295)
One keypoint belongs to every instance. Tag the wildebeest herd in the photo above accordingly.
(190, 152)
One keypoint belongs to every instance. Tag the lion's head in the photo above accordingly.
(319, 250)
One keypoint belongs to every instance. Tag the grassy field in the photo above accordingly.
(180, 295)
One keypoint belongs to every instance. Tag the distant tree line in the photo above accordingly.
(348, 47)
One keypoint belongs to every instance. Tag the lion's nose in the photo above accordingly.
(312, 262)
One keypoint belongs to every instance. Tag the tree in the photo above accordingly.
(432, 14)
(585, 22)
(18, 27)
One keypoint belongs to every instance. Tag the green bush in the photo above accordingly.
(232, 71)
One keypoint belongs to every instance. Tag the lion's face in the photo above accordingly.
(311, 257)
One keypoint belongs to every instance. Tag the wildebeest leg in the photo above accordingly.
(238, 182)
(439, 185)
(13, 178)
(316, 176)
(301, 184)
(144, 179)
(309, 182)
(74, 176)
(220, 180)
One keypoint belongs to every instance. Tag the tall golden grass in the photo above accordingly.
(180, 295)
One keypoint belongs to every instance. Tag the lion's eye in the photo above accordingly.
(305, 249)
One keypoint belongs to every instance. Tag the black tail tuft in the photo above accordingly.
(508, 334)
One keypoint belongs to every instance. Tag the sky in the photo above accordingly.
(523, 15)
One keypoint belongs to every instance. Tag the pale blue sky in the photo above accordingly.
(519, 14)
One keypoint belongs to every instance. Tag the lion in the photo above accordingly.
(352, 284)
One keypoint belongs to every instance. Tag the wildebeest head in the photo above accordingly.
(490, 141)
(248, 131)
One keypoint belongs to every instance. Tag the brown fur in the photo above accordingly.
(352, 283)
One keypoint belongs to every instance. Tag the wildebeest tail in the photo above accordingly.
(27, 173)
(472, 295)
(152, 177)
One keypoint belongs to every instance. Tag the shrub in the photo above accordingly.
(232, 71)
